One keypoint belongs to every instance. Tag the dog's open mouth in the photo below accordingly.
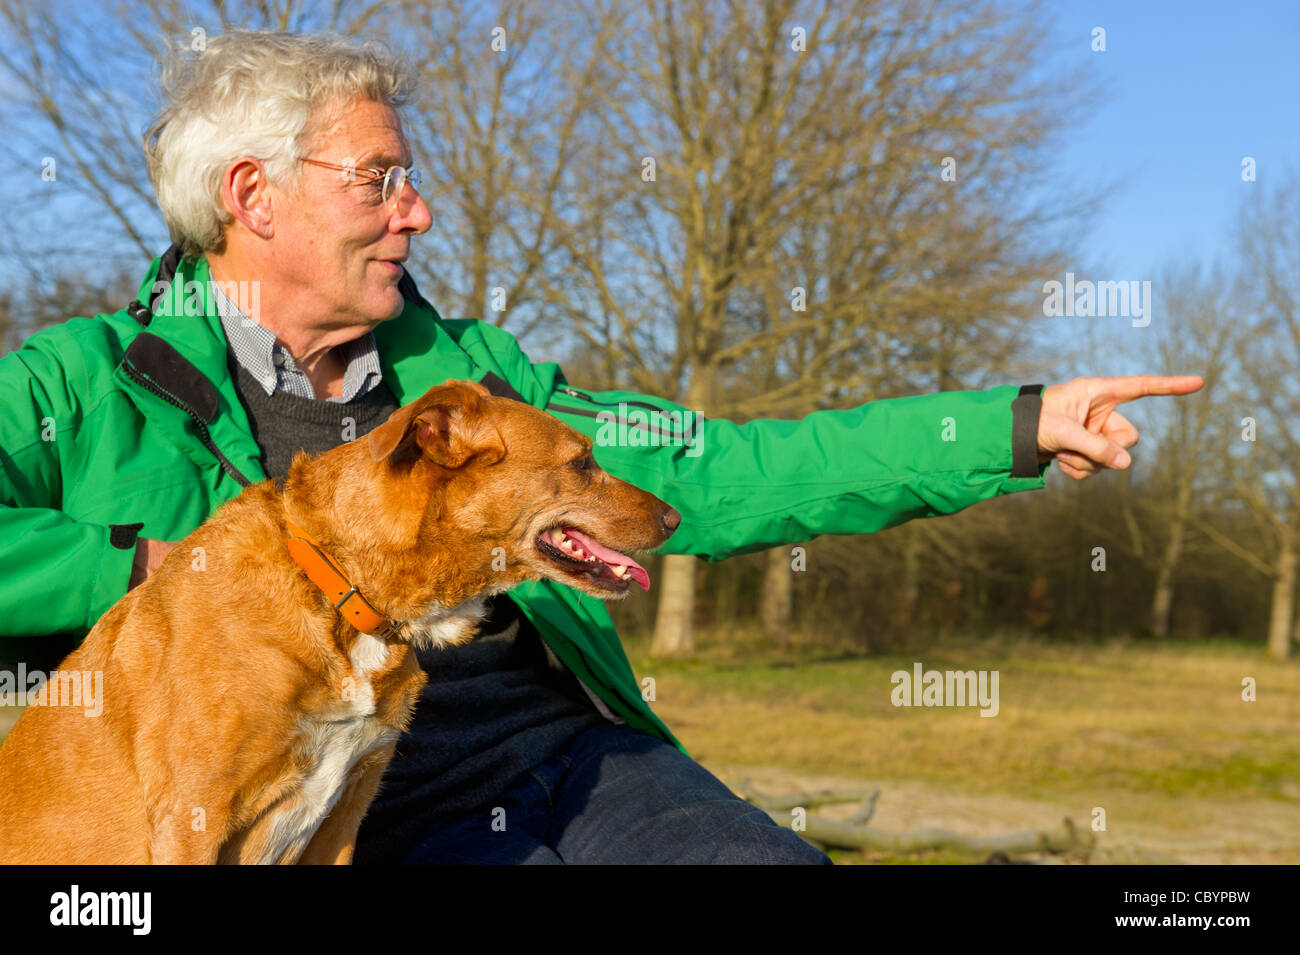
(579, 555)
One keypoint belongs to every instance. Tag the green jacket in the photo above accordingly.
(104, 429)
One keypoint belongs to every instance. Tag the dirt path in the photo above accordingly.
(1195, 831)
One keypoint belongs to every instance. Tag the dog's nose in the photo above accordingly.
(671, 520)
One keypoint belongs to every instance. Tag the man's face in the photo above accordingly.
(335, 240)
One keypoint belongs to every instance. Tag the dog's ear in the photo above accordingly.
(383, 440)
(450, 425)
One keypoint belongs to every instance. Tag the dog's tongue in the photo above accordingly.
(612, 557)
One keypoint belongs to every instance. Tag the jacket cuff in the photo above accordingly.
(114, 570)
(1025, 412)
(123, 536)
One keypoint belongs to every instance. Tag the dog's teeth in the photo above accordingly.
(620, 570)
(567, 544)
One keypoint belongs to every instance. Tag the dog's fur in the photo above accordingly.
(243, 720)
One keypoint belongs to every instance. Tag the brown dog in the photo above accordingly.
(244, 718)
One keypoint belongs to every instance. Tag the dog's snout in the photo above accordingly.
(670, 519)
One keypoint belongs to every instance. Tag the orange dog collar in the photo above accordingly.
(329, 577)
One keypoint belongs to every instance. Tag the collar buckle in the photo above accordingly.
(323, 571)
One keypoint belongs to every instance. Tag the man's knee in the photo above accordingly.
(753, 838)
(632, 798)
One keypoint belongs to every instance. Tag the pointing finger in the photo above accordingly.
(1129, 387)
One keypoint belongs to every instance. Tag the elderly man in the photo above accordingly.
(283, 319)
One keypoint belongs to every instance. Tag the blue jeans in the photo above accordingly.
(614, 795)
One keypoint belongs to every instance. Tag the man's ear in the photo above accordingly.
(450, 425)
(247, 198)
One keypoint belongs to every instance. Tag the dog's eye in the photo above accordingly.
(583, 463)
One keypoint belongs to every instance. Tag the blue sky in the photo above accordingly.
(1193, 87)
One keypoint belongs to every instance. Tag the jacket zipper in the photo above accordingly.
(608, 404)
(648, 428)
(139, 378)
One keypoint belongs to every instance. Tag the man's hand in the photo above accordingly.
(149, 555)
(1080, 427)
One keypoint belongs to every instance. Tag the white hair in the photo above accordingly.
(256, 94)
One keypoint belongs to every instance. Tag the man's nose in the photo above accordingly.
(412, 214)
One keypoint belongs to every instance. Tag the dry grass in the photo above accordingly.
(1156, 734)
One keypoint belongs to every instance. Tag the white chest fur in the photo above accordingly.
(330, 746)
(448, 626)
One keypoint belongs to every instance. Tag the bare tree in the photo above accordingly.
(754, 149)
(1265, 469)
(502, 120)
(1195, 329)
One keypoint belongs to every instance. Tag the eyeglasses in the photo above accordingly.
(394, 179)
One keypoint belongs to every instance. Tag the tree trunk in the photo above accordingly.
(776, 598)
(478, 295)
(1163, 600)
(674, 635)
(1279, 621)
(903, 618)
(674, 620)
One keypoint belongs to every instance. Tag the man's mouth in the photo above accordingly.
(577, 554)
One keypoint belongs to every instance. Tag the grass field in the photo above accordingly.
(1156, 734)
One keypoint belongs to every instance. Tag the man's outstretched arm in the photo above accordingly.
(746, 487)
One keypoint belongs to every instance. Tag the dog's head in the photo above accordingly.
(509, 493)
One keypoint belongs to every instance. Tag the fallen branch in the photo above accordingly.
(855, 835)
(822, 797)
(867, 810)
